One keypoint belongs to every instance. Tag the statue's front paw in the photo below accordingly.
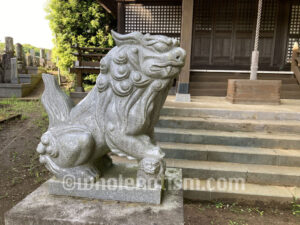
(47, 146)
(150, 169)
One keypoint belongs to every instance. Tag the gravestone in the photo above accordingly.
(20, 58)
(29, 60)
(33, 62)
(1, 70)
(32, 53)
(6, 58)
(42, 57)
(9, 45)
(14, 71)
(49, 55)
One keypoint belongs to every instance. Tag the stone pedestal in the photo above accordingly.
(118, 183)
(41, 208)
(263, 92)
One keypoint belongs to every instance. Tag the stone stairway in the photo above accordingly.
(215, 83)
(214, 142)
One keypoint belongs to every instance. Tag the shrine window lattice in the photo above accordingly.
(153, 19)
(294, 30)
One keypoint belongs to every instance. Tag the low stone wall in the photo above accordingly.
(27, 84)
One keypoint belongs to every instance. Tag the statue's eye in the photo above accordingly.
(161, 47)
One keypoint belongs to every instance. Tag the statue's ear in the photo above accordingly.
(132, 38)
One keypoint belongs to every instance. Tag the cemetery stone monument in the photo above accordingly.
(6, 59)
(21, 65)
(14, 71)
(29, 60)
(1, 70)
(42, 57)
(32, 53)
(49, 55)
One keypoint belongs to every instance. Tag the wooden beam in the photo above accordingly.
(110, 6)
(186, 44)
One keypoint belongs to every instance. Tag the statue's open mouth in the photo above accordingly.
(166, 66)
(170, 63)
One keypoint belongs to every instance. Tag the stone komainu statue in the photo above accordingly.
(117, 115)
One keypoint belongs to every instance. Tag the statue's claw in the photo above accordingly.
(150, 169)
(46, 146)
(88, 174)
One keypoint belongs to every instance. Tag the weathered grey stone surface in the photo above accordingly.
(21, 64)
(42, 53)
(1, 69)
(5, 60)
(118, 183)
(32, 53)
(40, 208)
(14, 71)
(29, 61)
(26, 85)
(117, 115)
(9, 45)
(49, 55)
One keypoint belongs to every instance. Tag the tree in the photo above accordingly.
(81, 23)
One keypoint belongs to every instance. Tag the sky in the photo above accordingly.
(25, 22)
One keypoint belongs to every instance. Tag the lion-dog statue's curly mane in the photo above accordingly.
(117, 115)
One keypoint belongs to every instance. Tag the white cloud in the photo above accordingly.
(25, 21)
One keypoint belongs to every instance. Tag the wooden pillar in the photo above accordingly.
(121, 17)
(79, 79)
(186, 43)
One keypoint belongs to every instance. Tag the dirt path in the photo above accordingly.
(20, 170)
(37, 91)
(220, 213)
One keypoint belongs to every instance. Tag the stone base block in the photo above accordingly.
(118, 183)
(41, 208)
(15, 90)
(253, 91)
(182, 97)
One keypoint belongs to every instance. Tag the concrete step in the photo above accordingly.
(242, 75)
(232, 112)
(208, 92)
(211, 190)
(230, 188)
(246, 139)
(223, 92)
(248, 173)
(230, 125)
(234, 154)
(290, 95)
(224, 79)
(223, 85)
